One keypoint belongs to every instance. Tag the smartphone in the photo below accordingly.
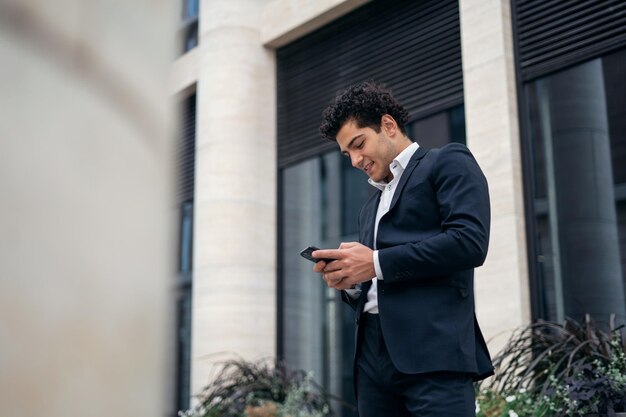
(307, 254)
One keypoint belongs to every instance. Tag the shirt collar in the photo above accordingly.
(398, 165)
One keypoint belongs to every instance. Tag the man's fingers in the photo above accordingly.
(337, 281)
(334, 253)
(333, 266)
(332, 279)
(327, 253)
(319, 266)
(344, 284)
(347, 245)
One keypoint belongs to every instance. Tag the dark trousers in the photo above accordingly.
(383, 391)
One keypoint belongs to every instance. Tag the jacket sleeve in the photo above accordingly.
(463, 202)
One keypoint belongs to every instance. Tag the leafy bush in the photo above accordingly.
(265, 388)
(569, 369)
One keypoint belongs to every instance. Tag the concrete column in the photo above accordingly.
(234, 282)
(304, 295)
(502, 297)
(583, 217)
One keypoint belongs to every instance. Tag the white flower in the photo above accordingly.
(477, 406)
(510, 398)
(522, 390)
(512, 413)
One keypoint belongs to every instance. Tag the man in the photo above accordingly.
(410, 276)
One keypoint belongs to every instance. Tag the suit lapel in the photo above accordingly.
(413, 162)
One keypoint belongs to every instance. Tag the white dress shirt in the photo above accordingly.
(397, 167)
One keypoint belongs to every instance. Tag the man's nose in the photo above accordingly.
(357, 160)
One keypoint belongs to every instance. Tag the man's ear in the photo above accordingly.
(389, 125)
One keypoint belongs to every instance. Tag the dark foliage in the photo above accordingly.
(584, 356)
(596, 389)
(241, 383)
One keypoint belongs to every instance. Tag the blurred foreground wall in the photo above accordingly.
(86, 243)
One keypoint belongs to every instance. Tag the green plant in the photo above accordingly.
(568, 369)
(490, 403)
(266, 388)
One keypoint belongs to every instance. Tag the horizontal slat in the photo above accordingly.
(575, 43)
(420, 81)
(567, 30)
(558, 17)
(553, 35)
(187, 150)
(412, 46)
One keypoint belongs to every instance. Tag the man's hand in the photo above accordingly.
(354, 264)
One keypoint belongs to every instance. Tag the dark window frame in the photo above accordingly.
(184, 284)
(523, 76)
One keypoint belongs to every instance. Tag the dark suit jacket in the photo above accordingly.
(434, 235)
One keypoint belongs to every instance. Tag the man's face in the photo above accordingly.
(369, 151)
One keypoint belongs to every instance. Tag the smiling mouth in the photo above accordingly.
(368, 167)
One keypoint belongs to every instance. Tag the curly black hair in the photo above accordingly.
(365, 103)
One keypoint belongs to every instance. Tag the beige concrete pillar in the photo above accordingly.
(502, 295)
(234, 288)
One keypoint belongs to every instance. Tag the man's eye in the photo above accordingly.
(360, 145)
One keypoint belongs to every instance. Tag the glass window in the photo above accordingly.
(190, 9)
(190, 36)
(183, 342)
(317, 327)
(186, 164)
(355, 192)
(188, 31)
(439, 129)
(186, 240)
(577, 136)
